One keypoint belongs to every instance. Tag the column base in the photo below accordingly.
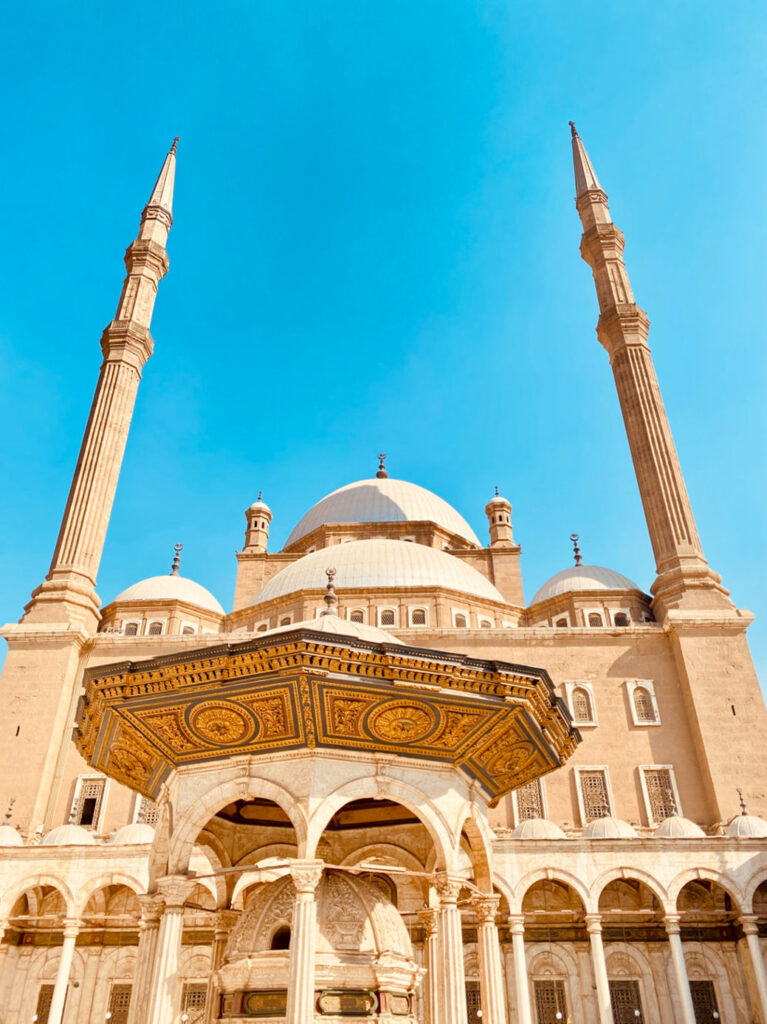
(693, 587)
(64, 597)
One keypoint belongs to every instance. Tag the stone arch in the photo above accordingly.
(628, 874)
(18, 888)
(551, 962)
(50, 956)
(705, 875)
(92, 887)
(550, 875)
(703, 960)
(389, 789)
(749, 889)
(617, 954)
(194, 964)
(473, 826)
(389, 851)
(189, 825)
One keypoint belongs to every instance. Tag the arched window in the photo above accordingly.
(621, 619)
(131, 629)
(485, 624)
(581, 703)
(595, 619)
(460, 621)
(644, 706)
(418, 617)
(263, 627)
(286, 620)
(155, 629)
(281, 937)
(357, 615)
(560, 623)
(387, 617)
(188, 631)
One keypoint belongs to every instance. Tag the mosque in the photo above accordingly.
(385, 786)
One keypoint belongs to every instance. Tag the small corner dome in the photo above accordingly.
(383, 500)
(9, 836)
(609, 828)
(583, 577)
(343, 628)
(538, 828)
(676, 827)
(747, 826)
(171, 588)
(137, 834)
(260, 506)
(68, 835)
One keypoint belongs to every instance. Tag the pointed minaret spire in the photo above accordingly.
(68, 592)
(683, 575)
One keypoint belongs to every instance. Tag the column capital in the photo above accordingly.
(448, 886)
(72, 927)
(175, 890)
(749, 924)
(486, 907)
(225, 919)
(516, 924)
(593, 923)
(672, 924)
(429, 917)
(306, 875)
(152, 905)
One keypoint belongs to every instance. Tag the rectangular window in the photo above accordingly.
(704, 1001)
(593, 794)
(88, 802)
(146, 811)
(659, 788)
(473, 1004)
(193, 1002)
(625, 1002)
(580, 699)
(528, 801)
(44, 1000)
(119, 1003)
(549, 1001)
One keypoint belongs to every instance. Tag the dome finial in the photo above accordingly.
(576, 550)
(742, 801)
(573, 130)
(331, 600)
(178, 548)
(381, 474)
(496, 490)
(9, 812)
(260, 496)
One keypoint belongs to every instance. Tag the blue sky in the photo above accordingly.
(376, 248)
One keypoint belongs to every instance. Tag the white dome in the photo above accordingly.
(171, 588)
(136, 834)
(383, 501)
(339, 627)
(376, 564)
(68, 835)
(538, 828)
(608, 828)
(676, 827)
(747, 826)
(9, 836)
(583, 577)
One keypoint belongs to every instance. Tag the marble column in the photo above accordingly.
(751, 931)
(453, 986)
(71, 929)
(306, 877)
(521, 984)
(429, 918)
(163, 1003)
(671, 923)
(594, 928)
(224, 921)
(149, 926)
(491, 995)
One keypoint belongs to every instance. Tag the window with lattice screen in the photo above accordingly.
(594, 794)
(88, 801)
(625, 1001)
(595, 619)
(119, 1003)
(387, 617)
(473, 1004)
(44, 1000)
(644, 706)
(660, 793)
(582, 711)
(704, 1001)
(460, 621)
(356, 615)
(418, 617)
(147, 811)
(193, 1002)
(529, 801)
(156, 628)
(549, 1001)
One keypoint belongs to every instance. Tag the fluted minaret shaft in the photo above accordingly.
(68, 592)
(683, 575)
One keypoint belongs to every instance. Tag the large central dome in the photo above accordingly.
(383, 501)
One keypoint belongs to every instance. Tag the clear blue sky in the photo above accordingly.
(376, 248)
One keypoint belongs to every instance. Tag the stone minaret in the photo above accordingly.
(68, 592)
(258, 518)
(684, 579)
(498, 512)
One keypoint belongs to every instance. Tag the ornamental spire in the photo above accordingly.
(585, 176)
(177, 548)
(331, 598)
(162, 193)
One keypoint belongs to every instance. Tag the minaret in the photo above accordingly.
(498, 512)
(258, 517)
(683, 578)
(68, 593)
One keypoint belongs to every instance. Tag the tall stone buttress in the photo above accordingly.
(68, 593)
(708, 634)
(683, 576)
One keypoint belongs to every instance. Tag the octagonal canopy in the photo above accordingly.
(501, 724)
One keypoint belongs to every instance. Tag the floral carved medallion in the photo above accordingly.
(221, 723)
(402, 721)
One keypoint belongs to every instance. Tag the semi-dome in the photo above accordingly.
(9, 836)
(677, 827)
(339, 627)
(171, 588)
(609, 828)
(538, 828)
(137, 834)
(583, 577)
(747, 826)
(383, 501)
(68, 835)
(376, 564)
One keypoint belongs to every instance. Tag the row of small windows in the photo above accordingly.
(641, 695)
(193, 999)
(389, 618)
(551, 1004)
(595, 799)
(156, 627)
(597, 619)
